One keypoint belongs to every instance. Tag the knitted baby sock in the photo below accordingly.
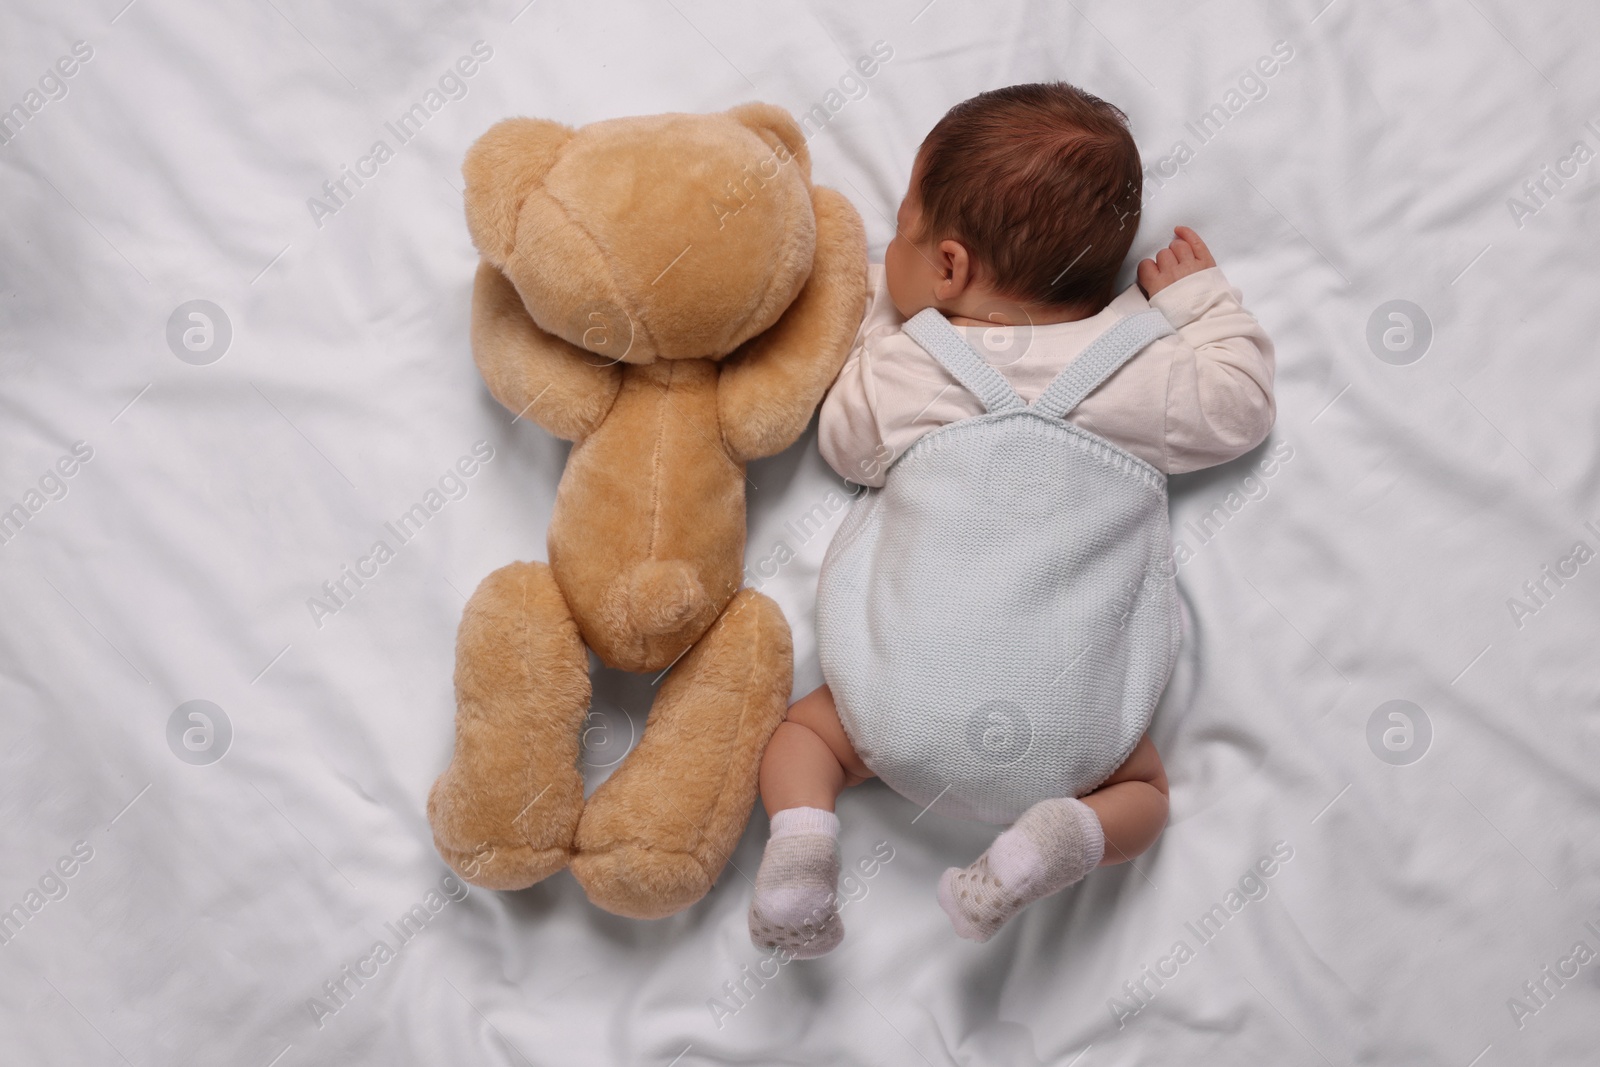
(1054, 843)
(796, 904)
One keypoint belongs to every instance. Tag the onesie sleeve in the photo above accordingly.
(1219, 385)
(849, 434)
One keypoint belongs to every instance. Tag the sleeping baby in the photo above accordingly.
(997, 615)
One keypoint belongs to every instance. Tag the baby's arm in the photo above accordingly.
(1186, 255)
(849, 435)
(847, 431)
(1219, 388)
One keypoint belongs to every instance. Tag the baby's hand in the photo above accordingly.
(1185, 256)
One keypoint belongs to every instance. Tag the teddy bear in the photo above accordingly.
(671, 294)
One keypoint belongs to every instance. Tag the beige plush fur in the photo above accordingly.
(672, 294)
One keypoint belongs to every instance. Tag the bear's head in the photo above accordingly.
(661, 237)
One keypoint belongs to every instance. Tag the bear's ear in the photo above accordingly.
(501, 168)
(777, 127)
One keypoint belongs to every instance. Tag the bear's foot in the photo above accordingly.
(505, 811)
(656, 834)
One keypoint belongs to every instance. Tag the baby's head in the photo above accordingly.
(1023, 204)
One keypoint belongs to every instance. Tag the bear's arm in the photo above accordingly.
(770, 386)
(564, 388)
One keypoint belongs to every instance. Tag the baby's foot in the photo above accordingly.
(796, 904)
(1054, 843)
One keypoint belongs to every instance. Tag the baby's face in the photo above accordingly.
(909, 269)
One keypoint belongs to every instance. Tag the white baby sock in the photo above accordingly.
(796, 903)
(1054, 843)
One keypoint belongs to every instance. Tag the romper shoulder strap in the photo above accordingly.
(934, 333)
(1101, 360)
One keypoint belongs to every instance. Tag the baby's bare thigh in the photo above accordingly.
(1142, 765)
(817, 712)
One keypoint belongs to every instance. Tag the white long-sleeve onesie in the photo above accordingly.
(1194, 399)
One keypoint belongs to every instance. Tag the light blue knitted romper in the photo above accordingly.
(998, 620)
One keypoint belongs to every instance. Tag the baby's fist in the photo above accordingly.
(1186, 255)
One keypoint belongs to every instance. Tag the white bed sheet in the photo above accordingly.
(1378, 562)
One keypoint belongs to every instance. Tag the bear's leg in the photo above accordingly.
(656, 834)
(504, 812)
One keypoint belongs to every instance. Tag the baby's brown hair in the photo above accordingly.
(1042, 184)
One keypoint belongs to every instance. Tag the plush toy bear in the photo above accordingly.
(673, 295)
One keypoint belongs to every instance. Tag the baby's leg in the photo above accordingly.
(808, 762)
(1056, 842)
(1131, 804)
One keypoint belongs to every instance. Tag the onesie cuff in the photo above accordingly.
(1191, 296)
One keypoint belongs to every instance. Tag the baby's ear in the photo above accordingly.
(501, 168)
(777, 127)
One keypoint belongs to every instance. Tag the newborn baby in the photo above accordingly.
(997, 616)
